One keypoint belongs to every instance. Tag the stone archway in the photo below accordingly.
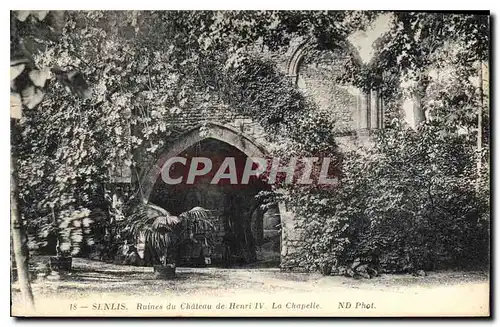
(210, 133)
(304, 47)
(367, 114)
(208, 130)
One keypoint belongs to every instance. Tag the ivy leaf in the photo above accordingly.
(40, 14)
(23, 14)
(38, 77)
(16, 106)
(15, 71)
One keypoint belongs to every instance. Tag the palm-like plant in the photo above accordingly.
(199, 216)
(156, 231)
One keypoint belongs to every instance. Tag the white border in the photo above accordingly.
(189, 4)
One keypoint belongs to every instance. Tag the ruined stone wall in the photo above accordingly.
(222, 115)
(315, 73)
(317, 78)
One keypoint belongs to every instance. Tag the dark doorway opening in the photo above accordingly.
(245, 233)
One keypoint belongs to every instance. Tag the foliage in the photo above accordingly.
(410, 196)
(418, 45)
(414, 198)
(68, 232)
(410, 199)
(145, 68)
(416, 40)
(153, 227)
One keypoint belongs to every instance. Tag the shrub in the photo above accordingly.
(410, 199)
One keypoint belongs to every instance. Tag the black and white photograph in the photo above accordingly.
(250, 163)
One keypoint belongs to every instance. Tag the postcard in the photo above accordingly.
(250, 163)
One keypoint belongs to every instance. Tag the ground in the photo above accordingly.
(109, 281)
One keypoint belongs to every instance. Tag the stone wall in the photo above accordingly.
(317, 79)
(354, 112)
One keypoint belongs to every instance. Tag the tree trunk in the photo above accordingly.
(18, 242)
(480, 127)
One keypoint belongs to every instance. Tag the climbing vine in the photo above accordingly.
(144, 69)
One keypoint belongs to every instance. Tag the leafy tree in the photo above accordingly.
(419, 42)
(25, 91)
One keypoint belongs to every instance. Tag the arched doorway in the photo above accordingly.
(246, 233)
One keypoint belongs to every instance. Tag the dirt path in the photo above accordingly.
(102, 277)
(107, 281)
